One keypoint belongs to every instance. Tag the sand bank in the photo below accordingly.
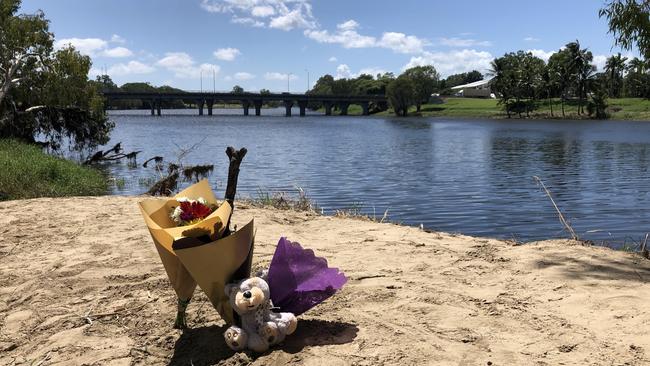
(81, 283)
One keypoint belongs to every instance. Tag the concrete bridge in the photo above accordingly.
(248, 100)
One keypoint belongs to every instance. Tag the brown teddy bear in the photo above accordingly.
(260, 326)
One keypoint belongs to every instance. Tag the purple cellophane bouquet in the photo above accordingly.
(299, 280)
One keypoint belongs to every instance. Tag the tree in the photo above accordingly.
(503, 73)
(637, 80)
(25, 42)
(629, 22)
(424, 80)
(614, 69)
(237, 89)
(518, 81)
(45, 93)
(401, 95)
(580, 65)
(561, 74)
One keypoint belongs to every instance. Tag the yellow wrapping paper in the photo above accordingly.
(213, 264)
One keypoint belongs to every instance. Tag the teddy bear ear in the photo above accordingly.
(263, 274)
(228, 288)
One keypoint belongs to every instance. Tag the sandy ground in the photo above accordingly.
(81, 284)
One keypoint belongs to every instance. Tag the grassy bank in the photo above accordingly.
(619, 109)
(27, 172)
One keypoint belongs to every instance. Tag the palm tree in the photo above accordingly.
(614, 69)
(583, 70)
(636, 65)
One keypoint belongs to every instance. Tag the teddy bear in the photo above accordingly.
(260, 326)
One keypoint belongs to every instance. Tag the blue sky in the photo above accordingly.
(258, 43)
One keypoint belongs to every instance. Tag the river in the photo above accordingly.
(455, 175)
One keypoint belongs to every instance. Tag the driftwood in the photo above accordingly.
(563, 221)
(235, 158)
(164, 186)
(156, 159)
(112, 154)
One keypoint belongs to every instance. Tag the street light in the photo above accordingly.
(214, 81)
(288, 79)
(201, 73)
(307, 81)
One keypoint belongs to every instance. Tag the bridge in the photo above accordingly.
(256, 100)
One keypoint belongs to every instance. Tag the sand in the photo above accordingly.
(81, 284)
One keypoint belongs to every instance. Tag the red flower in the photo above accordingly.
(194, 210)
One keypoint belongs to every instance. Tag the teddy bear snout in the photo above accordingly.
(248, 295)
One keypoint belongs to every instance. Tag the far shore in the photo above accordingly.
(82, 284)
(627, 109)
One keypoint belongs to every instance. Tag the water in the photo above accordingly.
(467, 176)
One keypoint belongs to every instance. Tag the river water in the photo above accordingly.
(457, 175)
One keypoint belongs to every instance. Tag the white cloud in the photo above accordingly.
(453, 62)
(87, 46)
(297, 18)
(372, 71)
(247, 21)
(262, 11)
(243, 76)
(117, 39)
(226, 54)
(183, 66)
(343, 72)
(176, 60)
(95, 47)
(281, 14)
(531, 39)
(463, 42)
(348, 25)
(333, 59)
(400, 42)
(118, 52)
(600, 61)
(130, 68)
(347, 36)
(544, 55)
(279, 76)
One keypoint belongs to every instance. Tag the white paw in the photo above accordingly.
(235, 338)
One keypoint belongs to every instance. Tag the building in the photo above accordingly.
(477, 89)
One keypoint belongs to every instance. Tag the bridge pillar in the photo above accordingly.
(303, 107)
(344, 108)
(210, 103)
(287, 105)
(258, 107)
(158, 106)
(246, 104)
(152, 103)
(328, 108)
(200, 103)
(365, 108)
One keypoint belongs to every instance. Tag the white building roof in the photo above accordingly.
(472, 85)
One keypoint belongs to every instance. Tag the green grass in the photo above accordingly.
(619, 109)
(27, 172)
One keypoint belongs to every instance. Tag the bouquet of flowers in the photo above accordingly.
(191, 211)
(196, 246)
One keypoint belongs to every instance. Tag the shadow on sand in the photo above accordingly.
(205, 346)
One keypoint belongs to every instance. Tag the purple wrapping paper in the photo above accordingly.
(299, 280)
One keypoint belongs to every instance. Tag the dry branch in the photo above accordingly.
(563, 221)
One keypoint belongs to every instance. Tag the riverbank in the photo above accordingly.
(28, 172)
(83, 284)
(634, 109)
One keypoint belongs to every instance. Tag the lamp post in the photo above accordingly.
(214, 81)
(201, 73)
(288, 80)
(307, 81)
